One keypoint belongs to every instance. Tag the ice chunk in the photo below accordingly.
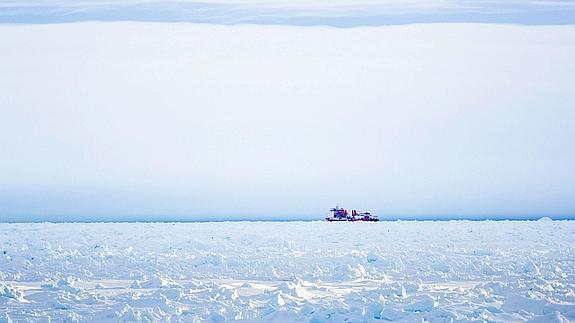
(136, 285)
(442, 267)
(228, 293)
(5, 318)
(217, 317)
(515, 303)
(293, 289)
(554, 317)
(487, 269)
(246, 285)
(390, 314)
(278, 301)
(531, 268)
(128, 314)
(422, 304)
(8, 291)
(545, 219)
(372, 257)
(159, 282)
(393, 289)
(412, 286)
(347, 272)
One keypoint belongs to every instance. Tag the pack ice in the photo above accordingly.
(288, 272)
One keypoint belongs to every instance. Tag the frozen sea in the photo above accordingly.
(439, 271)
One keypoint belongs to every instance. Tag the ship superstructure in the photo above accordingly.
(341, 214)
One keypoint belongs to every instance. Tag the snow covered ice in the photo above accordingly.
(288, 271)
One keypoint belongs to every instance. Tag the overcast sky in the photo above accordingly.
(180, 121)
(340, 13)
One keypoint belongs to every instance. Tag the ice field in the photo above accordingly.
(289, 271)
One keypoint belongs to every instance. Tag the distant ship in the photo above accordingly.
(340, 214)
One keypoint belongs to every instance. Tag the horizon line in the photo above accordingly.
(302, 219)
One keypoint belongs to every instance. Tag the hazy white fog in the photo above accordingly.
(129, 120)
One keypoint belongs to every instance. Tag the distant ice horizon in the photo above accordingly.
(272, 218)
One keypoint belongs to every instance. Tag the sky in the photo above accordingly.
(339, 13)
(113, 120)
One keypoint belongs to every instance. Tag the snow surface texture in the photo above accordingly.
(290, 271)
